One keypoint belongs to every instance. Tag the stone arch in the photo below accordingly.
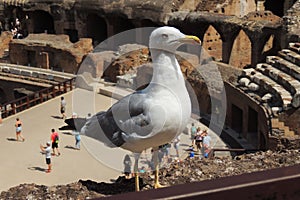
(276, 8)
(148, 23)
(3, 96)
(122, 24)
(96, 28)
(268, 46)
(42, 22)
(241, 51)
(212, 43)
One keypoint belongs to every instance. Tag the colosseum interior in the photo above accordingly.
(254, 43)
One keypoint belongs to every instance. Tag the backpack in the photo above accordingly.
(56, 138)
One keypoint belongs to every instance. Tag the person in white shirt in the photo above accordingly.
(47, 151)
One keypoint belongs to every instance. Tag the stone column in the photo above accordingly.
(43, 60)
(59, 26)
(80, 24)
(260, 5)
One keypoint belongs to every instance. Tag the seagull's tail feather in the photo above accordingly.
(102, 127)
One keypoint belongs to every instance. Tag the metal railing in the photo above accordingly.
(23, 103)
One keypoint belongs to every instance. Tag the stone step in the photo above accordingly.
(285, 66)
(276, 124)
(271, 86)
(290, 55)
(288, 82)
(295, 47)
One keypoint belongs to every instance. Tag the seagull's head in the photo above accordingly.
(169, 39)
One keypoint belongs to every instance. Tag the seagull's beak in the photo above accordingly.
(190, 39)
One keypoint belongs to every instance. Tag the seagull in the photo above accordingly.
(152, 116)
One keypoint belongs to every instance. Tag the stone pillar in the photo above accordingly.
(80, 24)
(260, 5)
(59, 27)
(43, 60)
(110, 32)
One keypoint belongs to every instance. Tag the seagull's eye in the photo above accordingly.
(165, 36)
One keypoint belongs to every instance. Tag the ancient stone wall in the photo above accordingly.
(49, 52)
(292, 22)
(240, 104)
(5, 39)
(7, 89)
(238, 8)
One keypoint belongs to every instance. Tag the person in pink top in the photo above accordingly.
(55, 140)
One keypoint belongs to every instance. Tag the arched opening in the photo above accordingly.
(3, 97)
(121, 24)
(241, 51)
(276, 8)
(42, 22)
(252, 135)
(96, 28)
(237, 119)
(212, 43)
(148, 23)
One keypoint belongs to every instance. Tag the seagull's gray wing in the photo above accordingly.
(124, 118)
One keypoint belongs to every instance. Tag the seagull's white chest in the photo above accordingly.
(169, 112)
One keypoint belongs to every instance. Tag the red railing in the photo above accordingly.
(38, 97)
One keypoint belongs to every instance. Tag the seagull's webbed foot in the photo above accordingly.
(158, 185)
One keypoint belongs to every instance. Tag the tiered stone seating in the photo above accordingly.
(270, 85)
(285, 66)
(295, 47)
(288, 82)
(290, 56)
(279, 80)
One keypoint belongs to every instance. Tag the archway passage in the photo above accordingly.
(212, 42)
(237, 119)
(42, 22)
(241, 51)
(96, 28)
(3, 97)
(276, 8)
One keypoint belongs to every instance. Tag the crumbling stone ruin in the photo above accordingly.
(254, 43)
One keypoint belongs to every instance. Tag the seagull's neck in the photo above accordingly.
(166, 69)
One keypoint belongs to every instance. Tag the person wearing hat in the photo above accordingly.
(47, 151)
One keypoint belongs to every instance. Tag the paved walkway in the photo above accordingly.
(22, 162)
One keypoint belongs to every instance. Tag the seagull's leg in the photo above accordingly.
(156, 164)
(136, 171)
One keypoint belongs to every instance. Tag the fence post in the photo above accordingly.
(41, 97)
(71, 84)
(27, 102)
(13, 107)
(65, 87)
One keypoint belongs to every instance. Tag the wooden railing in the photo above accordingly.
(38, 97)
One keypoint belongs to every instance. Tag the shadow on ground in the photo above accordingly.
(121, 185)
(71, 147)
(37, 169)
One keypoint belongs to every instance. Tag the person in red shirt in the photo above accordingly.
(55, 140)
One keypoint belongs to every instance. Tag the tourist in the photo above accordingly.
(47, 151)
(165, 150)
(77, 139)
(193, 133)
(206, 144)
(127, 166)
(63, 107)
(18, 126)
(199, 139)
(54, 140)
(176, 145)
